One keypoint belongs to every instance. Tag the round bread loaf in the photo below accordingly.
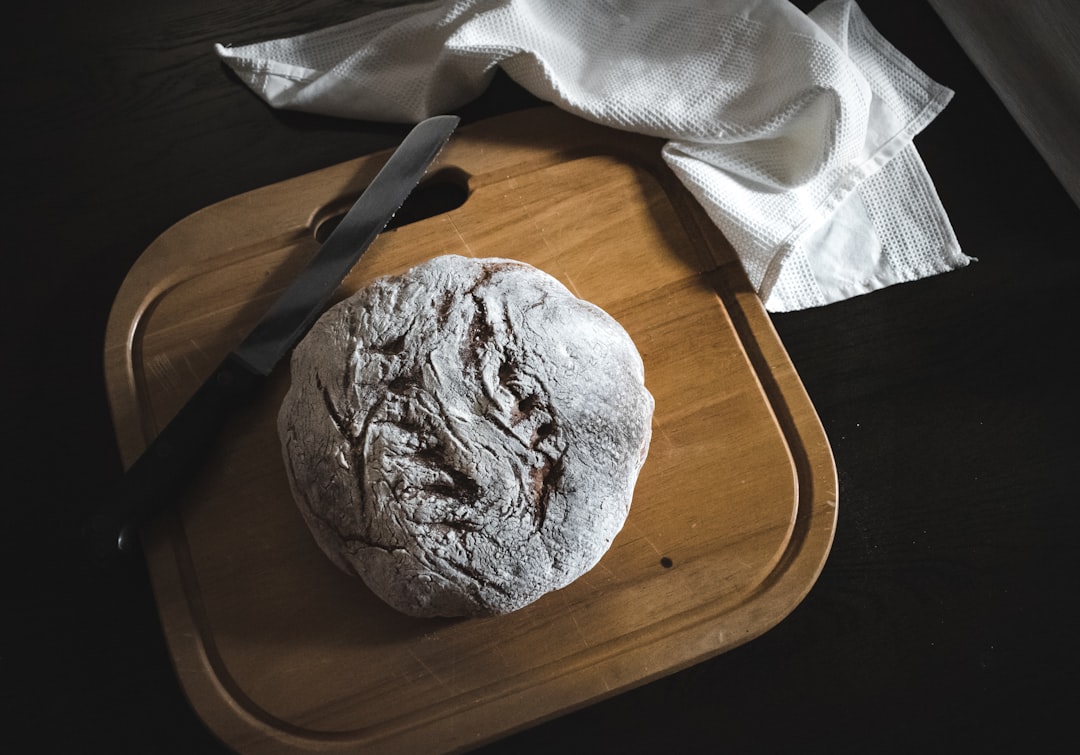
(465, 437)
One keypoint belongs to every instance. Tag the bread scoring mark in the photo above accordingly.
(402, 384)
(480, 329)
(344, 423)
(546, 480)
(391, 347)
(476, 579)
(506, 373)
(444, 308)
(543, 431)
(523, 409)
(487, 272)
(461, 488)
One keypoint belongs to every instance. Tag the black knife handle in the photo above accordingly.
(172, 459)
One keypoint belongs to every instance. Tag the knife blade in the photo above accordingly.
(153, 482)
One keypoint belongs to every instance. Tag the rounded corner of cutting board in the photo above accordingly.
(539, 151)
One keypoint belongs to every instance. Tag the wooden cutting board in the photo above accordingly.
(732, 518)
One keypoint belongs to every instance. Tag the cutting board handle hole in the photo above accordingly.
(666, 562)
(442, 191)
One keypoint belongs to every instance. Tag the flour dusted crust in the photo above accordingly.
(465, 437)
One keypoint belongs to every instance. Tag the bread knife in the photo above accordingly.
(152, 482)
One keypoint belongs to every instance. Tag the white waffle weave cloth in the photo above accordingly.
(793, 130)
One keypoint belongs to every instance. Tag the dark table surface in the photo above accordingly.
(944, 615)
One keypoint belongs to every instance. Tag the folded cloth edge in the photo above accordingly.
(852, 181)
(262, 73)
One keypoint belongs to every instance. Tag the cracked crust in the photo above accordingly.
(465, 437)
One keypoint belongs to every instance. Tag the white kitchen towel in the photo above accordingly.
(794, 131)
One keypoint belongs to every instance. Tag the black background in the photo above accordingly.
(944, 617)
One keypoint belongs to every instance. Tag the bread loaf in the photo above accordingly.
(465, 437)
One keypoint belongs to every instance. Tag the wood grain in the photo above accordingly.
(733, 514)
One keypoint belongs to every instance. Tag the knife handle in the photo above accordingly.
(172, 459)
